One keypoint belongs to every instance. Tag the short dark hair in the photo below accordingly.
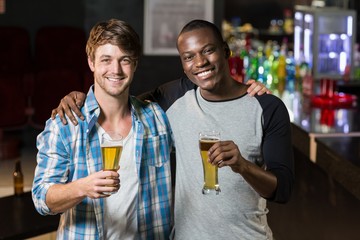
(198, 24)
(116, 32)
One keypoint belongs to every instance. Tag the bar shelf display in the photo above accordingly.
(324, 38)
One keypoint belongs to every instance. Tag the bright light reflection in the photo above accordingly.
(291, 115)
(307, 35)
(332, 36)
(297, 35)
(305, 123)
(342, 120)
(261, 70)
(342, 61)
(308, 18)
(332, 55)
(269, 79)
(349, 25)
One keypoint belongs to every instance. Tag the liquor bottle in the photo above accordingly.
(18, 179)
(260, 68)
(308, 84)
(281, 73)
(252, 71)
(290, 72)
(288, 22)
(268, 60)
(234, 40)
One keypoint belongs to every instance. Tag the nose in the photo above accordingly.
(200, 60)
(116, 67)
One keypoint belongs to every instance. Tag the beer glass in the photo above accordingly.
(111, 149)
(211, 183)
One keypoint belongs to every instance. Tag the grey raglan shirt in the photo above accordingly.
(259, 126)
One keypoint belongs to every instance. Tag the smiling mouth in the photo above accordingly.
(114, 79)
(205, 73)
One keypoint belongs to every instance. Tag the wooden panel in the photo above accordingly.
(320, 208)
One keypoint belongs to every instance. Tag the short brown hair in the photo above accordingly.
(115, 32)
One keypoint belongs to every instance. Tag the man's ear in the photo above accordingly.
(91, 64)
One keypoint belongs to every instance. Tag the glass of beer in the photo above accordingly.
(211, 183)
(111, 149)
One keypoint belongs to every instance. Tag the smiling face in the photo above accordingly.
(113, 70)
(204, 60)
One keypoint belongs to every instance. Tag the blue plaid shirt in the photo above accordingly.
(67, 153)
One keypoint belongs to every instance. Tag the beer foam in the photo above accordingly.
(111, 144)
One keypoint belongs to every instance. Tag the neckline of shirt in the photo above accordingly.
(198, 93)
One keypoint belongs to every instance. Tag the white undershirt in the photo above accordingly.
(120, 216)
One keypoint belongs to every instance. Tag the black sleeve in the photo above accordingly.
(166, 94)
(277, 146)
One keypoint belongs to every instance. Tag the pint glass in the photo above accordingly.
(111, 149)
(211, 183)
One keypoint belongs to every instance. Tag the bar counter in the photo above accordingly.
(310, 123)
(340, 158)
(325, 203)
(20, 220)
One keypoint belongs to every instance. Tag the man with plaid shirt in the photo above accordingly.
(68, 178)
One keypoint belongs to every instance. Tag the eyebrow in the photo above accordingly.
(109, 56)
(202, 48)
(105, 56)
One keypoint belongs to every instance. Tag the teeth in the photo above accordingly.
(204, 73)
(113, 79)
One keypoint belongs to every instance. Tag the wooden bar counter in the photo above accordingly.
(325, 203)
(20, 220)
(340, 158)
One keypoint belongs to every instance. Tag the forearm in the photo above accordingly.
(262, 181)
(61, 197)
